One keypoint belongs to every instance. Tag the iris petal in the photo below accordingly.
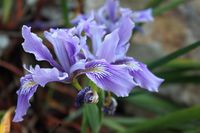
(59, 40)
(113, 78)
(142, 16)
(108, 47)
(94, 31)
(26, 91)
(141, 74)
(33, 44)
(125, 31)
(29, 84)
(112, 9)
(85, 48)
(44, 75)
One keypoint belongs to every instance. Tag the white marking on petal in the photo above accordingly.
(99, 71)
(27, 85)
(133, 66)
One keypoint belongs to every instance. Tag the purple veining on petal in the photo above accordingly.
(29, 84)
(26, 91)
(65, 46)
(141, 74)
(112, 78)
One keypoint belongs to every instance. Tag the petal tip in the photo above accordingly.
(17, 119)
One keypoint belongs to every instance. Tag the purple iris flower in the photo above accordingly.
(110, 46)
(104, 61)
(113, 48)
(111, 15)
(72, 60)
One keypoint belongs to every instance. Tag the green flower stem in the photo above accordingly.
(76, 84)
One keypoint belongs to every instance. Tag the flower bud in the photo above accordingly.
(91, 97)
(86, 95)
(110, 106)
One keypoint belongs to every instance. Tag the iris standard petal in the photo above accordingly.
(107, 49)
(62, 46)
(97, 34)
(101, 19)
(44, 75)
(33, 44)
(121, 52)
(78, 18)
(142, 16)
(126, 12)
(113, 78)
(85, 48)
(26, 91)
(141, 74)
(73, 48)
(112, 9)
(93, 30)
(125, 31)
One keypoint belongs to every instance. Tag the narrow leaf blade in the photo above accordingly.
(176, 118)
(173, 55)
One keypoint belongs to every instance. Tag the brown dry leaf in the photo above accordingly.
(6, 121)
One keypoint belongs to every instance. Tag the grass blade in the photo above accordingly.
(153, 3)
(74, 115)
(84, 124)
(183, 64)
(130, 121)
(167, 7)
(113, 125)
(152, 103)
(176, 118)
(173, 55)
(91, 112)
(7, 6)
